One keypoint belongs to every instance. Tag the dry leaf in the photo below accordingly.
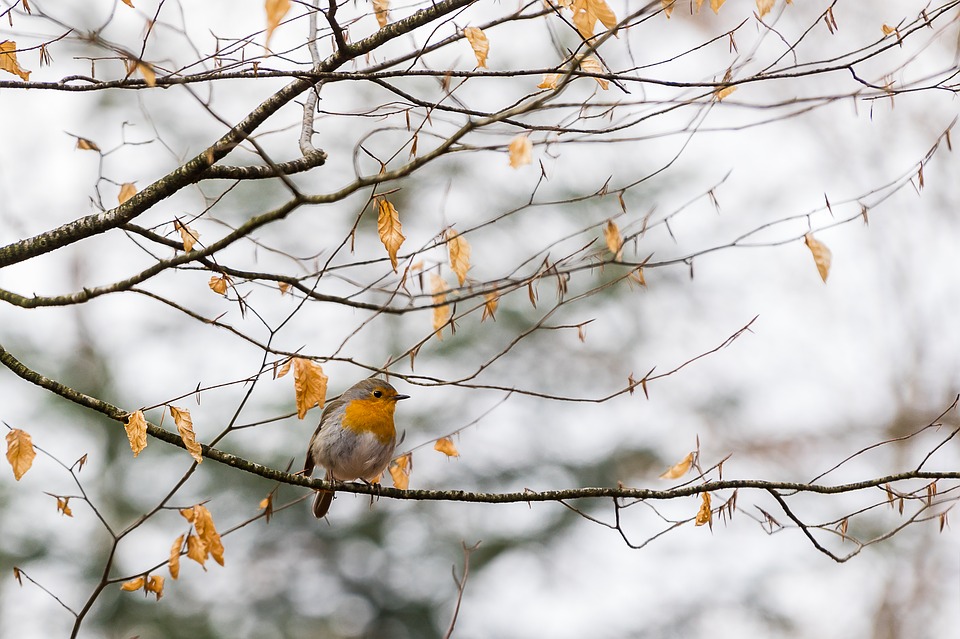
(679, 469)
(591, 64)
(490, 303)
(127, 191)
(388, 225)
(188, 235)
(155, 585)
(181, 417)
(667, 6)
(276, 9)
(445, 446)
(309, 384)
(197, 550)
(219, 284)
(284, 287)
(136, 427)
(381, 10)
(704, 515)
(612, 236)
(87, 145)
(149, 75)
(584, 21)
(8, 60)
(723, 92)
(549, 81)
(207, 541)
(63, 506)
(821, 255)
(521, 151)
(602, 11)
(20, 452)
(887, 29)
(716, 4)
(174, 564)
(481, 46)
(764, 7)
(129, 3)
(284, 369)
(459, 254)
(132, 585)
(441, 312)
(400, 471)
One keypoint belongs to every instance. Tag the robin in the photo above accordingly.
(355, 438)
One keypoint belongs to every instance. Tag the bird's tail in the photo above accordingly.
(322, 501)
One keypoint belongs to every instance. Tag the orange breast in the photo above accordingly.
(370, 416)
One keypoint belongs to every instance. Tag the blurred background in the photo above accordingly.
(726, 191)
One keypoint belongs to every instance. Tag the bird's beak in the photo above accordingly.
(399, 397)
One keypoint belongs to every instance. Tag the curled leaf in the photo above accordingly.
(20, 452)
(679, 469)
(132, 585)
(400, 471)
(174, 563)
(181, 417)
(388, 225)
(445, 445)
(136, 427)
(821, 255)
(8, 60)
(309, 385)
(704, 515)
(441, 312)
(459, 254)
(478, 41)
(521, 151)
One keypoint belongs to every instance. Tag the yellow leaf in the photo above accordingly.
(174, 563)
(181, 417)
(603, 13)
(612, 236)
(149, 75)
(136, 427)
(459, 254)
(887, 29)
(704, 515)
(309, 384)
(133, 584)
(723, 92)
(821, 255)
(481, 46)
(129, 3)
(667, 6)
(203, 523)
(716, 4)
(8, 60)
(679, 469)
(521, 151)
(445, 446)
(584, 21)
(381, 10)
(441, 312)
(591, 64)
(155, 585)
(63, 506)
(188, 236)
(20, 452)
(276, 9)
(400, 471)
(284, 369)
(218, 284)
(764, 6)
(490, 303)
(127, 191)
(87, 145)
(388, 225)
(284, 287)
(197, 550)
(549, 81)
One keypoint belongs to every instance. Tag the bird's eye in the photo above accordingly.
(377, 393)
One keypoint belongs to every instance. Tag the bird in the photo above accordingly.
(355, 438)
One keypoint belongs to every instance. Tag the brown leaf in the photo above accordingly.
(197, 550)
(381, 10)
(155, 585)
(133, 584)
(388, 225)
(481, 46)
(585, 22)
(764, 7)
(284, 287)
(591, 64)
(723, 92)
(127, 191)
(136, 427)
(284, 369)
(679, 469)
(445, 446)
(611, 234)
(203, 524)
(188, 235)
(521, 151)
(63, 506)
(602, 11)
(149, 75)
(716, 4)
(490, 302)
(309, 384)
(129, 3)
(8, 60)
(549, 81)
(459, 254)
(667, 6)
(16, 575)
(181, 417)
(20, 452)
(276, 10)
(704, 515)
(400, 471)
(219, 284)
(441, 313)
(174, 563)
(887, 29)
(87, 145)
(821, 255)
